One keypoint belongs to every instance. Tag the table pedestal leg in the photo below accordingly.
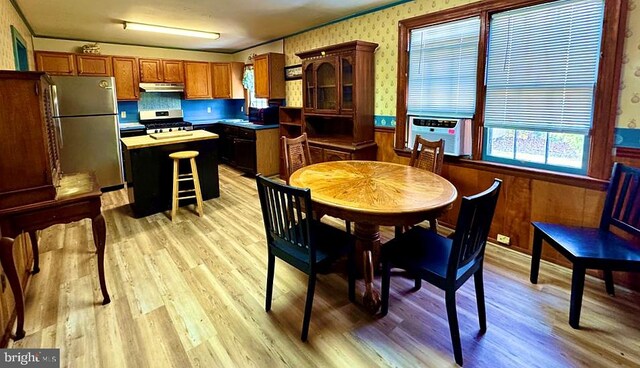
(9, 266)
(368, 241)
(99, 238)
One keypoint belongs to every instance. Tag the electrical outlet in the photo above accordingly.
(503, 239)
(123, 114)
(208, 110)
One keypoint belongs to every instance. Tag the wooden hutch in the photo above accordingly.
(30, 165)
(338, 101)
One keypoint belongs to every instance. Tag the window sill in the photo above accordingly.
(524, 172)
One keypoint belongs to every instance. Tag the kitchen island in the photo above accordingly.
(149, 170)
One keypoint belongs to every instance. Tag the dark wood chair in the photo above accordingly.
(447, 263)
(304, 243)
(297, 155)
(426, 155)
(597, 248)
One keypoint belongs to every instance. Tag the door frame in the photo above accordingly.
(16, 38)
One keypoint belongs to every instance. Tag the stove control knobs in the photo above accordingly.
(170, 129)
(157, 131)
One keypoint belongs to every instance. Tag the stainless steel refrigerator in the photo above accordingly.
(88, 113)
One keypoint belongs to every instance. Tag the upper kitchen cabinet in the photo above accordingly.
(173, 71)
(94, 65)
(197, 80)
(227, 80)
(55, 63)
(125, 71)
(269, 76)
(151, 71)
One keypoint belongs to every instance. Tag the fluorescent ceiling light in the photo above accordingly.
(173, 31)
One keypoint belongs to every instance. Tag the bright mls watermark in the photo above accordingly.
(37, 358)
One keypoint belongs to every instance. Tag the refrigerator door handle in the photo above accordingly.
(54, 100)
(58, 127)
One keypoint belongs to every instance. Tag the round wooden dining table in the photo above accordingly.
(371, 194)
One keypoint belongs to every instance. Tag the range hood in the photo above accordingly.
(162, 87)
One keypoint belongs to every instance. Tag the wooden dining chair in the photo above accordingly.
(301, 241)
(427, 155)
(597, 248)
(447, 263)
(297, 155)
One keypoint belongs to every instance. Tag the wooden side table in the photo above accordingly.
(78, 198)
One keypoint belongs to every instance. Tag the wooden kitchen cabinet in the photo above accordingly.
(55, 63)
(151, 71)
(94, 65)
(269, 76)
(173, 71)
(125, 71)
(197, 80)
(249, 150)
(227, 80)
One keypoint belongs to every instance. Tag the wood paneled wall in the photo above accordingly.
(522, 200)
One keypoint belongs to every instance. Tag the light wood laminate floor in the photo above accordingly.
(191, 293)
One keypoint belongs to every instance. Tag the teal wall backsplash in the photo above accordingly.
(159, 101)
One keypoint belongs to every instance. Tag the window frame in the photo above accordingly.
(600, 157)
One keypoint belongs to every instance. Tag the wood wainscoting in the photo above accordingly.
(523, 199)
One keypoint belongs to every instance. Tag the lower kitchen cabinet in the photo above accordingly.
(249, 150)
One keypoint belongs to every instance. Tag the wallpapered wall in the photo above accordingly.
(9, 17)
(381, 27)
(629, 108)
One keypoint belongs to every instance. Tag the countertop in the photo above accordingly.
(144, 141)
(131, 126)
(233, 122)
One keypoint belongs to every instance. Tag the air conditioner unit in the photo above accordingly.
(455, 132)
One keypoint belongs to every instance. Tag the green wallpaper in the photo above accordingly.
(9, 17)
(381, 27)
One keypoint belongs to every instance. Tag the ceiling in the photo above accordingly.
(241, 23)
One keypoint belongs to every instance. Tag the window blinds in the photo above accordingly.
(442, 69)
(542, 66)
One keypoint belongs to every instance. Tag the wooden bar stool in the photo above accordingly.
(177, 178)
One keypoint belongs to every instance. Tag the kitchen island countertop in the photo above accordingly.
(144, 141)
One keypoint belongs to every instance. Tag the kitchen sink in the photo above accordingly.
(238, 121)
